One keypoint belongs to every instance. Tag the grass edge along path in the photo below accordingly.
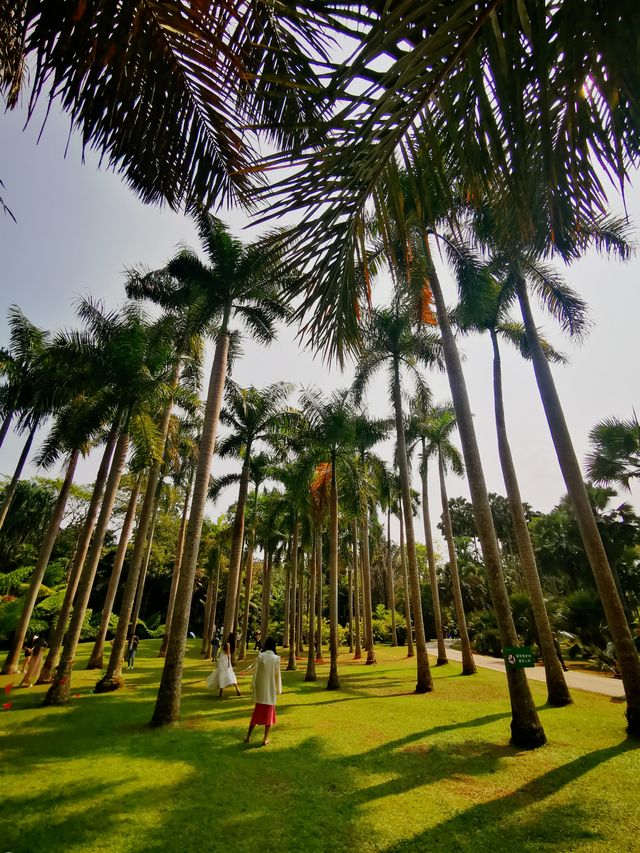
(370, 767)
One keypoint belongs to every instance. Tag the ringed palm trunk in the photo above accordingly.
(310, 674)
(266, 592)
(6, 423)
(424, 681)
(526, 729)
(97, 654)
(112, 679)
(248, 581)
(626, 654)
(557, 690)
(356, 584)
(205, 648)
(237, 542)
(319, 606)
(366, 590)
(176, 567)
(431, 560)
(468, 664)
(287, 606)
(333, 682)
(214, 603)
(407, 596)
(351, 611)
(390, 583)
(60, 690)
(137, 604)
(167, 709)
(299, 644)
(55, 641)
(236, 613)
(292, 609)
(13, 658)
(13, 485)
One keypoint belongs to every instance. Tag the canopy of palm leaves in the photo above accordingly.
(615, 457)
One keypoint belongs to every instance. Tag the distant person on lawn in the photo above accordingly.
(132, 648)
(267, 684)
(223, 675)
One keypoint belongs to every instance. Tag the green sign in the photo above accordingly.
(519, 657)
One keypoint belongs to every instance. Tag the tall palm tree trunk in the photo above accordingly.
(431, 560)
(137, 604)
(6, 423)
(97, 654)
(292, 609)
(205, 647)
(319, 605)
(13, 485)
(299, 643)
(266, 593)
(366, 589)
(310, 674)
(356, 584)
(167, 709)
(13, 658)
(237, 542)
(82, 546)
(333, 682)
(468, 664)
(350, 571)
(60, 690)
(424, 681)
(175, 575)
(626, 654)
(112, 679)
(390, 583)
(287, 606)
(557, 690)
(407, 596)
(236, 613)
(526, 729)
(248, 580)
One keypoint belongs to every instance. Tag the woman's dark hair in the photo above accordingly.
(269, 645)
(231, 640)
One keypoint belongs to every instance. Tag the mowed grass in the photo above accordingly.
(371, 767)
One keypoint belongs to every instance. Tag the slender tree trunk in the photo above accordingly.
(214, 603)
(366, 589)
(55, 640)
(319, 606)
(236, 614)
(266, 593)
(468, 664)
(137, 604)
(13, 658)
(175, 576)
(526, 729)
(60, 690)
(292, 610)
(557, 690)
(249, 580)
(205, 647)
(626, 654)
(6, 423)
(299, 644)
(407, 596)
(237, 542)
(333, 682)
(350, 611)
(310, 674)
(97, 655)
(356, 579)
(167, 709)
(287, 606)
(424, 681)
(431, 559)
(112, 679)
(13, 485)
(391, 583)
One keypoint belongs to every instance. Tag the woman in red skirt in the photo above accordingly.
(267, 684)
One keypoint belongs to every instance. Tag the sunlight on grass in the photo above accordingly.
(369, 767)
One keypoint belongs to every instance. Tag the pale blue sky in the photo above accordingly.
(79, 227)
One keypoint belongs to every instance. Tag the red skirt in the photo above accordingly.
(264, 715)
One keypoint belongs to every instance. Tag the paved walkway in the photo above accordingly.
(575, 680)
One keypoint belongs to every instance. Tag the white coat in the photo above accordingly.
(267, 681)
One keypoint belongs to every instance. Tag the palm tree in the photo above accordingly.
(390, 341)
(388, 500)
(615, 454)
(239, 281)
(487, 310)
(441, 421)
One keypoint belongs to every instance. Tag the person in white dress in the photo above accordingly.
(223, 675)
(267, 684)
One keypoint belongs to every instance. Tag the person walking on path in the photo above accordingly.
(267, 684)
(556, 646)
(223, 675)
(215, 645)
(132, 648)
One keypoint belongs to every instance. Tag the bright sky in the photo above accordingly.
(78, 228)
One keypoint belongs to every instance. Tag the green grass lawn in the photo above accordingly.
(371, 767)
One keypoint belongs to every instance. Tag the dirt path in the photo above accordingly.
(575, 680)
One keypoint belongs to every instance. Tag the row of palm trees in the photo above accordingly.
(321, 445)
